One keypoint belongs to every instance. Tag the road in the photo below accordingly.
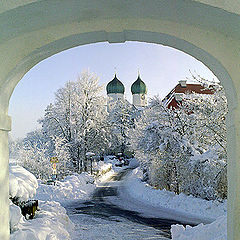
(109, 216)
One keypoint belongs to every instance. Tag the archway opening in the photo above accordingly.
(216, 65)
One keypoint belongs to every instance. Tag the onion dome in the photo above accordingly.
(139, 87)
(115, 86)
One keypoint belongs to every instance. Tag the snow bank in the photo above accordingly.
(15, 216)
(22, 184)
(201, 208)
(77, 186)
(214, 231)
(182, 203)
(50, 223)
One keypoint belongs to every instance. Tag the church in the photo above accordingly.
(115, 91)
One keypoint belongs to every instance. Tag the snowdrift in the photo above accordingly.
(76, 186)
(217, 230)
(51, 223)
(22, 183)
(214, 231)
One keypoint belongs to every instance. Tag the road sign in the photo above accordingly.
(54, 166)
(54, 160)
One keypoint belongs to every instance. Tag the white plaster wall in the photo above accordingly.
(4, 186)
(11, 4)
(138, 101)
(115, 96)
(29, 38)
(228, 5)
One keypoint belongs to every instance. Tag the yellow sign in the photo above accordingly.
(54, 160)
(54, 166)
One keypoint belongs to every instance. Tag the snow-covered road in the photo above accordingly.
(123, 207)
(110, 215)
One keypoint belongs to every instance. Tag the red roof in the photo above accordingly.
(170, 100)
(190, 88)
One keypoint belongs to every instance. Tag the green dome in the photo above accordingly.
(115, 86)
(139, 87)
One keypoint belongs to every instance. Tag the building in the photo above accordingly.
(174, 98)
(139, 93)
(115, 91)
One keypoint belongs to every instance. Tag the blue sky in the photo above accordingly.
(160, 68)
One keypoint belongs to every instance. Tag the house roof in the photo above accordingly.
(170, 100)
(192, 88)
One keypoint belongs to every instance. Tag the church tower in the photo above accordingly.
(139, 92)
(115, 90)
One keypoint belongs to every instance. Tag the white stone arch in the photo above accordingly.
(75, 40)
(131, 35)
(204, 29)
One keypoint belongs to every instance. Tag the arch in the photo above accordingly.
(119, 37)
(32, 30)
(131, 35)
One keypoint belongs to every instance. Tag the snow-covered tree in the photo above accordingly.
(121, 116)
(78, 116)
(32, 152)
(160, 145)
(207, 118)
(184, 149)
(34, 158)
(208, 137)
(14, 146)
(61, 151)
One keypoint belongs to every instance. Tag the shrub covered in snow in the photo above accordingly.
(207, 176)
(50, 223)
(22, 184)
(33, 154)
(184, 149)
(72, 187)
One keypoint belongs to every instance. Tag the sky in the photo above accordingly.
(160, 68)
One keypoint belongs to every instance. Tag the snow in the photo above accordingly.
(107, 169)
(101, 167)
(212, 210)
(15, 216)
(113, 161)
(182, 203)
(77, 186)
(22, 183)
(133, 163)
(50, 223)
(214, 231)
